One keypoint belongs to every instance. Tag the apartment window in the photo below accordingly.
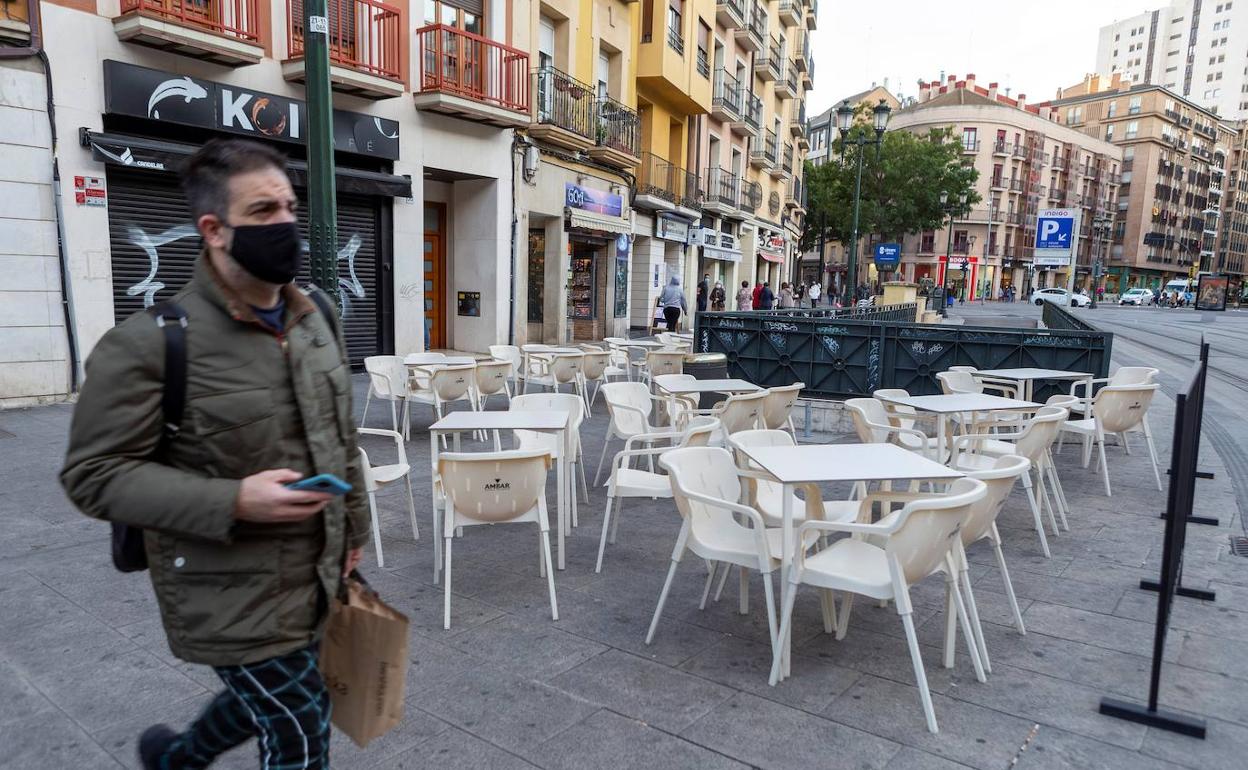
(1117, 37)
(1171, 69)
(1176, 37)
(1133, 128)
(1115, 53)
(1217, 25)
(1218, 76)
(675, 25)
(1133, 107)
(1109, 132)
(970, 140)
(704, 42)
(1128, 153)
(1074, 115)
(437, 12)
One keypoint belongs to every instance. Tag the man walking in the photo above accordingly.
(704, 292)
(758, 295)
(815, 291)
(242, 566)
(767, 297)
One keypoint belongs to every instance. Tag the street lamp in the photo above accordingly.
(845, 121)
(949, 209)
(966, 263)
(1101, 226)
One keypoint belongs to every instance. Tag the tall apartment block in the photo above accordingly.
(1193, 48)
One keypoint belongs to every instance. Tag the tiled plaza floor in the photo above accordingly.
(84, 665)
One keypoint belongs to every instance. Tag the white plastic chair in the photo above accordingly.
(625, 482)
(778, 407)
(686, 403)
(706, 486)
(595, 368)
(492, 379)
(448, 384)
(766, 495)
(1116, 409)
(1031, 439)
(662, 362)
(387, 378)
(740, 411)
(558, 369)
(552, 443)
(630, 406)
(874, 425)
(495, 488)
(378, 476)
(510, 353)
(915, 542)
(1123, 375)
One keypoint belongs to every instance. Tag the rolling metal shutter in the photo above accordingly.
(154, 247)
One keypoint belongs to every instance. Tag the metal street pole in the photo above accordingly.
(851, 285)
(823, 241)
(322, 204)
(944, 276)
(1074, 260)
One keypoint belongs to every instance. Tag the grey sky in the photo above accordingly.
(1031, 47)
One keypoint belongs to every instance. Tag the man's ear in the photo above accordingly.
(213, 231)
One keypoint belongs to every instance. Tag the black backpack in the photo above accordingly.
(129, 554)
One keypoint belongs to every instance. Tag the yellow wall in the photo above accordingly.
(581, 28)
(669, 83)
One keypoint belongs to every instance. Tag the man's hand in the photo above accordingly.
(353, 560)
(263, 497)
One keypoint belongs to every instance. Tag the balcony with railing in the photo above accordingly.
(754, 35)
(790, 12)
(812, 14)
(1000, 147)
(797, 122)
(751, 196)
(618, 140)
(808, 74)
(565, 110)
(471, 77)
(221, 31)
(786, 85)
(731, 13)
(662, 185)
(794, 194)
(751, 115)
(723, 192)
(786, 165)
(366, 42)
(763, 150)
(725, 96)
(801, 51)
(769, 63)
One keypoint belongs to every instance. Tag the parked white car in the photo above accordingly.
(1061, 297)
(1136, 297)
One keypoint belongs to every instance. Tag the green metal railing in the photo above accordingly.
(1054, 316)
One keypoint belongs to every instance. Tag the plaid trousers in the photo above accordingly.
(281, 701)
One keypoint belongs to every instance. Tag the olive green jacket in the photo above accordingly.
(230, 592)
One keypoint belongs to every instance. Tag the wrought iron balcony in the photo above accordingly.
(754, 36)
(801, 48)
(565, 110)
(769, 64)
(675, 41)
(731, 13)
(661, 184)
(723, 191)
(366, 42)
(726, 96)
(222, 31)
(790, 12)
(751, 115)
(471, 76)
(812, 14)
(619, 134)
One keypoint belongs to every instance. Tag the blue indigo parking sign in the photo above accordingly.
(887, 256)
(1055, 236)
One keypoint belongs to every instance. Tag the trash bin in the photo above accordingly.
(949, 301)
(707, 366)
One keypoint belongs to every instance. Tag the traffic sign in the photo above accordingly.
(1055, 236)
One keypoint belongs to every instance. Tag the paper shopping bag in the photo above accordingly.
(364, 663)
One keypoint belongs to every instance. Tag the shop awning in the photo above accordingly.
(158, 155)
(771, 256)
(588, 220)
(723, 255)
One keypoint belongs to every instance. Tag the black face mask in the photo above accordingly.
(272, 253)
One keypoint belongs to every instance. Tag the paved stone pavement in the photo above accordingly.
(84, 666)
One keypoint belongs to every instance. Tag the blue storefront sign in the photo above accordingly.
(887, 256)
(1055, 236)
(589, 199)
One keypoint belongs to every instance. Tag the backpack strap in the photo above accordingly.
(171, 318)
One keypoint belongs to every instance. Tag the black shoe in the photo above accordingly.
(152, 745)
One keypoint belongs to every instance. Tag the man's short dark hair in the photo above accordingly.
(206, 174)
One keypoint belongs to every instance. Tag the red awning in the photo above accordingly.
(771, 257)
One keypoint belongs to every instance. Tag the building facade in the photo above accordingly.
(574, 170)
(1171, 207)
(1193, 48)
(1027, 160)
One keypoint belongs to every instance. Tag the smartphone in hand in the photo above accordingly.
(326, 483)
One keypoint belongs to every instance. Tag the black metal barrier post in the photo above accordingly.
(1183, 459)
(1208, 521)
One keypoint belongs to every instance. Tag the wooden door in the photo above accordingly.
(435, 292)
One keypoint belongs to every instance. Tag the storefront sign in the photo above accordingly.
(622, 246)
(671, 229)
(171, 98)
(589, 199)
(90, 191)
(887, 256)
(771, 248)
(1055, 236)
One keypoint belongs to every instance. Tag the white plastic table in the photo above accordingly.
(1027, 376)
(456, 423)
(805, 463)
(946, 405)
(436, 359)
(729, 386)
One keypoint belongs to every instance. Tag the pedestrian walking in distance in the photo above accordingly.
(704, 292)
(673, 301)
(718, 297)
(815, 292)
(745, 297)
(242, 566)
(787, 298)
(767, 297)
